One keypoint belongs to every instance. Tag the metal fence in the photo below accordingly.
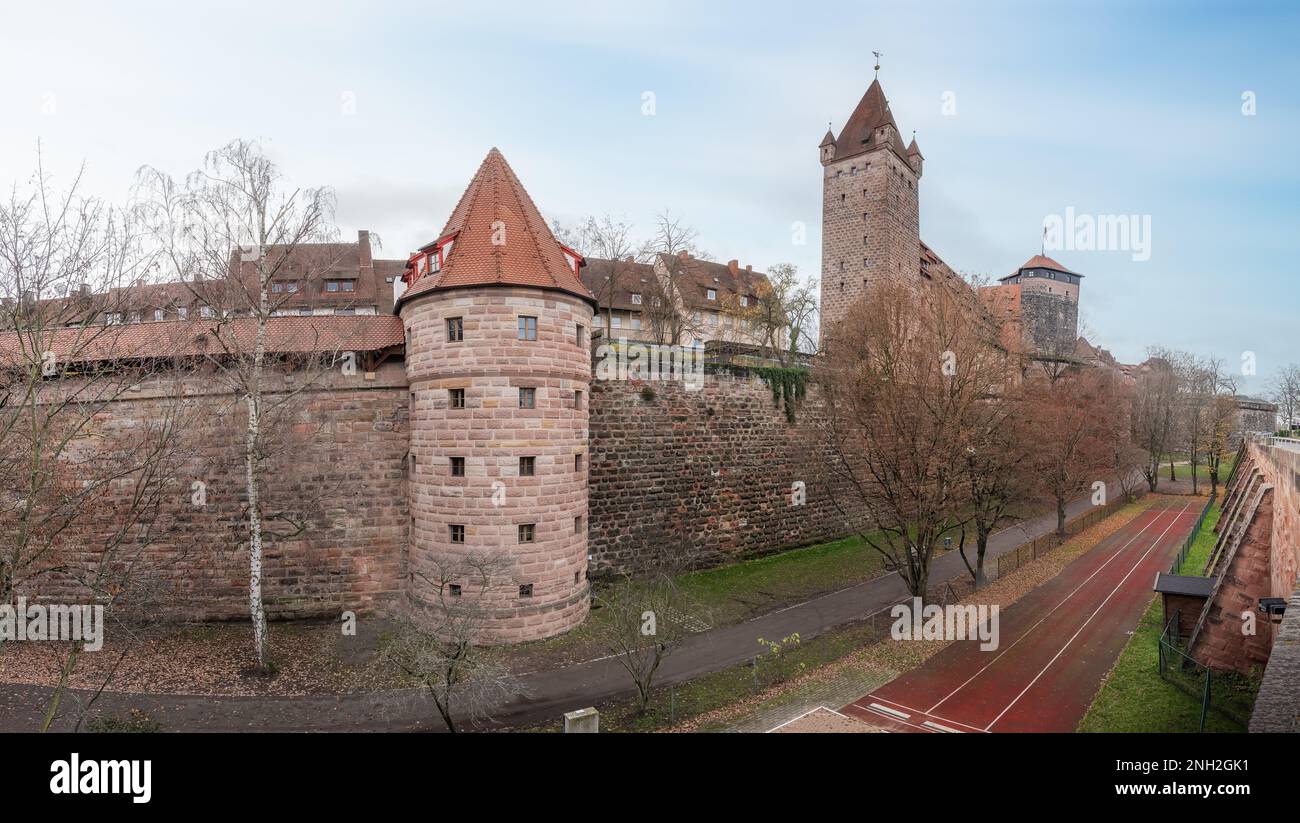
(1227, 693)
(1191, 538)
(1040, 546)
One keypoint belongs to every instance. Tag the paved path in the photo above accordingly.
(551, 692)
(1055, 644)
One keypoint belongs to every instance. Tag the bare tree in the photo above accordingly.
(999, 468)
(673, 236)
(903, 376)
(228, 231)
(641, 621)
(782, 316)
(1154, 413)
(83, 496)
(1073, 419)
(604, 238)
(449, 658)
(1284, 390)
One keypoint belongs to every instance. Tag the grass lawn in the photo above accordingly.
(1135, 698)
(729, 686)
(725, 595)
(1195, 561)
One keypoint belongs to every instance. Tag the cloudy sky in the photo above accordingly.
(1022, 110)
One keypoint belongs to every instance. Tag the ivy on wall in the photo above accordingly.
(788, 385)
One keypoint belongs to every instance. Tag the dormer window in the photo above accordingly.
(636, 299)
(712, 294)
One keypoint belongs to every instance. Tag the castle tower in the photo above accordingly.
(1046, 295)
(499, 363)
(870, 206)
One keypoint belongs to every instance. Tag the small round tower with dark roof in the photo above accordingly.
(499, 363)
(1045, 302)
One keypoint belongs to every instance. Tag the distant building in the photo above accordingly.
(1040, 300)
(316, 279)
(676, 299)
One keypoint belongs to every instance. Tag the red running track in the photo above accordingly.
(1056, 643)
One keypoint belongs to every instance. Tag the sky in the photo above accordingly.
(1183, 115)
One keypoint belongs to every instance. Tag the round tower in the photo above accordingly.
(499, 365)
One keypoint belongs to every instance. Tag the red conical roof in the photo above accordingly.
(500, 239)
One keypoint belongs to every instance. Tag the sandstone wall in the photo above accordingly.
(342, 468)
(544, 590)
(705, 476)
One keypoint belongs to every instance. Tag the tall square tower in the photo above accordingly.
(870, 207)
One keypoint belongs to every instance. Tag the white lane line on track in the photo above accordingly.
(1089, 620)
(1049, 614)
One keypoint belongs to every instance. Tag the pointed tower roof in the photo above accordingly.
(914, 149)
(828, 140)
(859, 133)
(499, 238)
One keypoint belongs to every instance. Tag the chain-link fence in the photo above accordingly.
(1226, 692)
(1036, 548)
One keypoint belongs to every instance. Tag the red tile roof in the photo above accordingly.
(519, 251)
(1039, 261)
(188, 338)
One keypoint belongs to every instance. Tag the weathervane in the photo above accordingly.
(877, 63)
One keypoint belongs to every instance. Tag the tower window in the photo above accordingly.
(526, 590)
(577, 462)
(458, 467)
(577, 529)
(527, 328)
(865, 262)
(577, 399)
(712, 294)
(527, 466)
(457, 533)
(455, 329)
(581, 336)
(457, 398)
(454, 589)
(527, 398)
(864, 240)
(526, 532)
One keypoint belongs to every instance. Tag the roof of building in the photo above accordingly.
(310, 266)
(859, 133)
(1039, 261)
(193, 338)
(1184, 584)
(613, 282)
(500, 239)
(695, 277)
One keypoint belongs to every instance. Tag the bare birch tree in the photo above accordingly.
(83, 497)
(229, 230)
